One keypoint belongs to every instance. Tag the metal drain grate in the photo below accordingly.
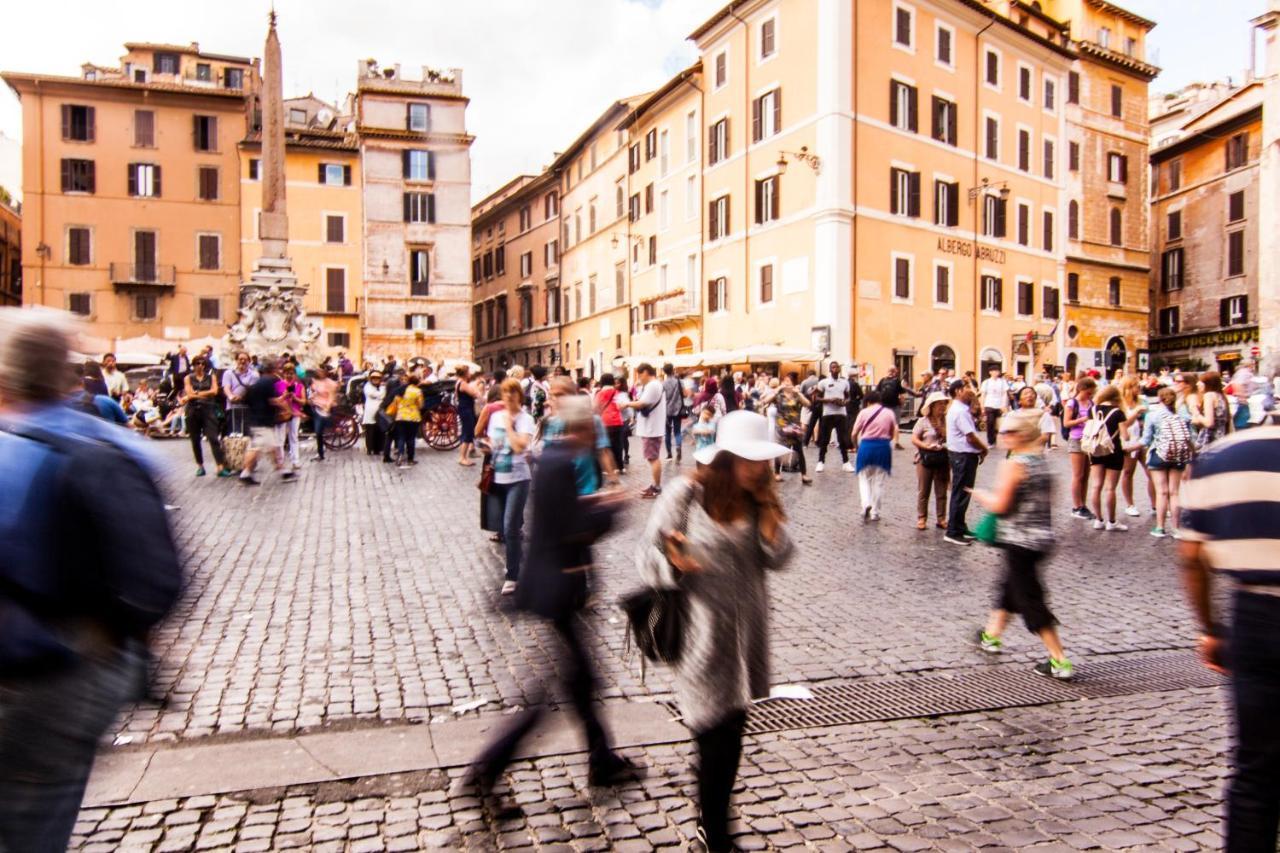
(983, 690)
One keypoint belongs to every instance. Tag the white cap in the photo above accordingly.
(745, 435)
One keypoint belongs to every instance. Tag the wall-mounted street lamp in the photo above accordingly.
(987, 187)
(636, 237)
(43, 251)
(813, 161)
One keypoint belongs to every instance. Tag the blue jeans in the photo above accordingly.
(964, 472)
(673, 430)
(50, 725)
(1253, 796)
(515, 497)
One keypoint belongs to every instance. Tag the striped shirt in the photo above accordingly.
(1232, 505)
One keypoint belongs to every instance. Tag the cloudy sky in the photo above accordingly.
(537, 71)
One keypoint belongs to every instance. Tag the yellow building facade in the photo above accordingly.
(600, 249)
(322, 180)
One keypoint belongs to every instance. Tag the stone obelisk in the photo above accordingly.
(272, 318)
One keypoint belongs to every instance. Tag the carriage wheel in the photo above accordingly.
(441, 428)
(343, 433)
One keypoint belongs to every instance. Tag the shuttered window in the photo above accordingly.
(335, 229)
(766, 115)
(208, 183)
(944, 120)
(419, 272)
(335, 290)
(903, 106)
(210, 247)
(79, 246)
(205, 133)
(144, 129)
(78, 176)
(78, 123)
(420, 207)
(1235, 253)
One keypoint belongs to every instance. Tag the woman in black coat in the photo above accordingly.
(553, 586)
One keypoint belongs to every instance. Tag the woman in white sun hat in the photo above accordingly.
(714, 535)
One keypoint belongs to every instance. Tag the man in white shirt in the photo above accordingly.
(995, 400)
(117, 382)
(833, 393)
(651, 423)
(965, 451)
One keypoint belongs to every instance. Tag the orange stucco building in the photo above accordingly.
(131, 191)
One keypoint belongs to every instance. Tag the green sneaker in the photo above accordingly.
(989, 643)
(199, 472)
(226, 472)
(1054, 668)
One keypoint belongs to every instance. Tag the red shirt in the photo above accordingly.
(606, 403)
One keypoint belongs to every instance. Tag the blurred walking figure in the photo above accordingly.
(266, 405)
(1230, 511)
(78, 587)
(714, 535)
(324, 392)
(554, 584)
(876, 427)
(1022, 499)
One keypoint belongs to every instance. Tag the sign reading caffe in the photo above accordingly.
(965, 249)
(1206, 340)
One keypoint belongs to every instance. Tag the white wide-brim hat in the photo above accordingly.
(745, 435)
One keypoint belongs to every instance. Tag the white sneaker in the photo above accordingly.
(848, 467)
(1117, 525)
(1132, 511)
(508, 587)
(819, 468)
(1098, 524)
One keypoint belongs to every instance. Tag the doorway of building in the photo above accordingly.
(990, 358)
(1117, 355)
(943, 357)
(1073, 362)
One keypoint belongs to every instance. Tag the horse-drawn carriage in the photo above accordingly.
(440, 424)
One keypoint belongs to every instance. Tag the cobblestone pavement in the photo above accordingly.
(364, 594)
(1139, 772)
(367, 592)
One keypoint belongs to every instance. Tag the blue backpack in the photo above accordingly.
(70, 515)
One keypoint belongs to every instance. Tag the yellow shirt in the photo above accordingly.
(409, 406)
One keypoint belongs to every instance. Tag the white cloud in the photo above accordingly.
(537, 71)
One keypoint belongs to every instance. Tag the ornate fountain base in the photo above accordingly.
(272, 318)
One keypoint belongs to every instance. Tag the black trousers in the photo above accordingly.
(993, 421)
(373, 439)
(1021, 591)
(964, 473)
(579, 678)
(815, 414)
(617, 444)
(202, 423)
(1253, 796)
(719, 753)
(797, 450)
(841, 426)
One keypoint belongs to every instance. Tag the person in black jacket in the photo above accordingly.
(553, 586)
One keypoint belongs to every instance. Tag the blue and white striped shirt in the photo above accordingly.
(1232, 505)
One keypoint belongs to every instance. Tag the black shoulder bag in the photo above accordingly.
(657, 617)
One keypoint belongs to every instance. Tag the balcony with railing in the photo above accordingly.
(146, 276)
(672, 308)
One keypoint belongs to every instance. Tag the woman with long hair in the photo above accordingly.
(290, 387)
(510, 433)
(715, 536)
(933, 471)
(1166, 474)
(468, 393)
(788, 404)
(1135, 412)
(1075, 412)
(200, 391)
(1105, 469)
(605, 406)
(1214, 415)
(874, 434)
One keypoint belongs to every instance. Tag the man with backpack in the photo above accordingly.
(78, 588)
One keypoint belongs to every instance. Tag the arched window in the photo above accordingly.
(1117, 227)
(1073, 220)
